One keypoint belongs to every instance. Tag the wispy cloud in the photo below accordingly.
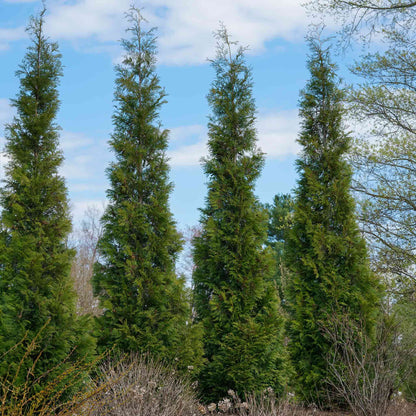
(6, 115)
(8, 35)
(80, 207)
(185, 26)
(82, 19)
(71, 141)
(183, 133)
(85, 160)
(277, 133)
(189, 155)
(189, 145)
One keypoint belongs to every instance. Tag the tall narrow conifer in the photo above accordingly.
(325, 253)
(37, 299)
(145, 305)
(235, 294)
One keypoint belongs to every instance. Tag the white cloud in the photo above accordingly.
(78, 167)
(182, 133)
(82, 19)
(85, 160)
(10, 35)
(277, 133)
(79, 208)
(84, 167)
(88, 187)
(189, 155)
(185, 26)
(70, 140)
(186, 153)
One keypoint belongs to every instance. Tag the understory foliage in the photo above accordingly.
(63, 394)
(36, 291)
(145, 305)
(326, 256)
(236, 297)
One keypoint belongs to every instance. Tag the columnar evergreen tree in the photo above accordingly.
(325, 253)
(235, 296)
(145, 306)
(37, 299)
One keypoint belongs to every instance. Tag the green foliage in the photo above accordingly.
(145, 304)
(280, 219)
(35, 283)
(62, 394)
(235, 294)
(327, 258)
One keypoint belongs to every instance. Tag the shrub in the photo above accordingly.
(60, 390)
(263, 404)
(140, 386)
(365, 371)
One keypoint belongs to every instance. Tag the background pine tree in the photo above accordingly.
(235, 295)
(145, 304)
(280, 219)
(325, 253)
(36, 292)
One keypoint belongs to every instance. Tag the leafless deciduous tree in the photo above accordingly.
(365, 19)
(85, 240)
(367, 371)
(185, 265)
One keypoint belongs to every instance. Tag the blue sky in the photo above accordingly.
(88, 32)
